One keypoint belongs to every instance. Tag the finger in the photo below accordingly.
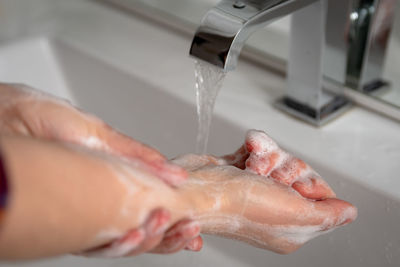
(195, 244)
(120, 247)
(192, 162)
(267, 159)
(178, 237)
(291, 170)
(264, 153)
(262, 164)
(237, 159)
(302, 178)
(155, 228)
(259, 142)
(314, 188)
(333, 212)
(171, 174)
(125, 146)
(136, 241)
(107, 139)
(122, 145)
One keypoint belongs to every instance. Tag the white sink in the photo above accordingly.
(140, 80)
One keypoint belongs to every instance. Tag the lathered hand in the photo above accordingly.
(262, 156)
(102, 205)
(28, 112)
(263, 196)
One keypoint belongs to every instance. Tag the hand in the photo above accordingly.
(24, 111)
(151, 237)
(263, 196)
(262, 156)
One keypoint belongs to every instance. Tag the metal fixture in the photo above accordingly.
(318, 56)
(239, 4)
(370, 25)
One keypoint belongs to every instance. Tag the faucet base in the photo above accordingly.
(376, 88)
(317, 117)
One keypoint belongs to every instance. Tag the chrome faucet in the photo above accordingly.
(318, 56)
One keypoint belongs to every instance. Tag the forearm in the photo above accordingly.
(62, 200)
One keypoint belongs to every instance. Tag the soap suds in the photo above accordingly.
(259, 142)
(95, 143)
(108, 234)
(135, 182)
(348, 213)
(118, 249)
(229, 226)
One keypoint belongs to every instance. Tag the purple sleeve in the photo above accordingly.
(3, 189)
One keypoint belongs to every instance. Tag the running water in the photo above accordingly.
(209, 80)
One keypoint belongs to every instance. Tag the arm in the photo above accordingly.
(65, 199)
(28, 112)
(221, 192)
(84, 201)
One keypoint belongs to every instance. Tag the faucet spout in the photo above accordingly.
(227, 26)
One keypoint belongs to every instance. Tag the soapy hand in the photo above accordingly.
(28, 112)
(263, 196)
(262, 156)
(152, 237)
(25, 111)
(260, 195)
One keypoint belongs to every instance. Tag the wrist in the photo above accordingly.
(206, 198)
(143, 193)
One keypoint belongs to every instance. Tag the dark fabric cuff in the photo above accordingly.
(3, 188)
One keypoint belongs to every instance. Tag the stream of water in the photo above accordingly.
(209, 80)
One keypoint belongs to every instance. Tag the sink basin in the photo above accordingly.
(121, 89)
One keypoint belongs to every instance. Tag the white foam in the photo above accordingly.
(108, 234)
(134, 181)
(217, 203)
(94, 142)
(115, 250)
(348, 213)
(219, 223)
(229, 225)
(299, 234)
(263, 140)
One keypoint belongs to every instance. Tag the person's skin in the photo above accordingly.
(67, 199)
(260, 195)
(27, 112)
(99, 197)
(264, 196)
